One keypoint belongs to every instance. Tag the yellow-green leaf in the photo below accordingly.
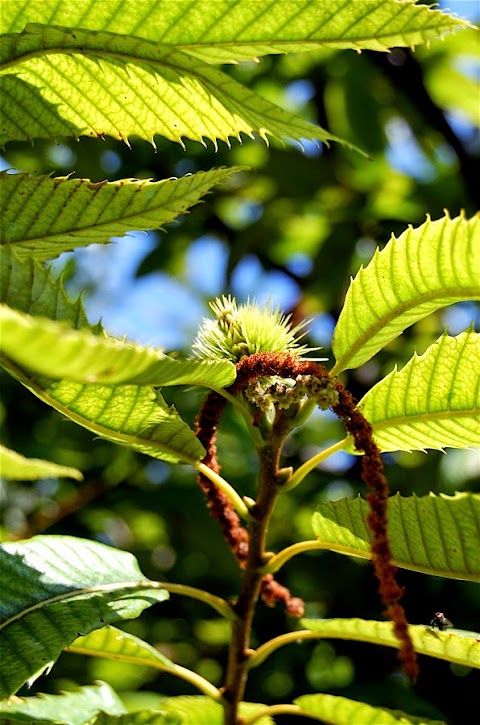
(433, 402)
(114, 644)
(225, 31)
(15, 466)
(43, 216)
(56, 350)
(75, 82)
(453, 645)
(342, 711)
(426, 268)
(430, 534)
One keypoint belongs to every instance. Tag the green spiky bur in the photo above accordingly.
(242, 330)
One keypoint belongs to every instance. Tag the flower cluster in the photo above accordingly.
(266, 393)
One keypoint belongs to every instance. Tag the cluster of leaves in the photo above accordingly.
(81, 70)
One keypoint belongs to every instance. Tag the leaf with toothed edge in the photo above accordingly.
(457, 646)
(225, 32)
(56, 350)
(55, 588)
(68, 708)
(423, 270)
(342, 711)
(432, 534)
(74, 82)
(131, 415)
(44, 216)
(432, 402)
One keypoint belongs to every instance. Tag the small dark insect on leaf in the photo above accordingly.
(439, 621)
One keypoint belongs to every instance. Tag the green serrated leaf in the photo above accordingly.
(430, 534)
(14, 466)
(433, 402)
(56, 350)
(112, 643)
(342, 711)
(432, 266)
(131, 415)
(198, 710)
(142, 717)
(456, 646)
(75, 82)
(224, 31)
(43, 216)
(69, 708)
(56, 588)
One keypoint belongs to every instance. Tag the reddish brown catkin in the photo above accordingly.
(264, 364)
(372, 474)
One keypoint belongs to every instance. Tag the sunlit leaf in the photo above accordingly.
(431, 534)
(112, 643)
(451, 645)
(131, 415)
(56, 350)
(423, 270)
(342, 711)
(75, 82)
(432, 402)
(69, 708)
(43, 216)
(15, 466)
(224, 31)
(142, 717)
(55, 588)
(204, 711)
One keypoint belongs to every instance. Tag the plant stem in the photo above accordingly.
(235, 499)
(278, 560)
(276, 710)
(239, 651)
(265, 650)
(309, 465)
(220, 605)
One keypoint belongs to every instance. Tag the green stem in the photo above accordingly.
(278, 560)
(265, 650)
(220, 605)
(197, 680)
(239, 650)
(235, 499)
(275, 710)
(309, 465)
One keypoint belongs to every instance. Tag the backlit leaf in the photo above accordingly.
(204, 711)
(433, 401)
(342, 711)
(44, 216)
(430, 534)
(456, 646)
(432, 266)
(74, 82)
(15, 466)
(69, 708)
(224, 30)
(112, 643)
(131, 415)
(55, 588)
(56, 350)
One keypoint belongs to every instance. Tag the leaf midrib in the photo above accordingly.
(107, 433)
(101, 588)
(438, 294)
